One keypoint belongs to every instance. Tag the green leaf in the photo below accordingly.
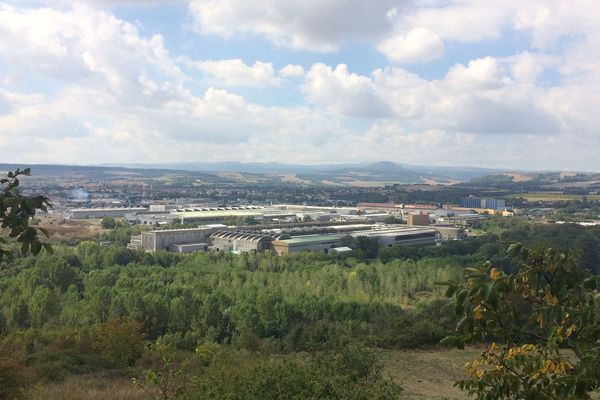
(36, 247)
(451, 290)
(48, 248)
(515, 249)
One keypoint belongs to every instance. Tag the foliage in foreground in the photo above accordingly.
(542, 323)
(218, 372)
(16, 213)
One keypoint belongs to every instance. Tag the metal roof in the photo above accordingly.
(108, 209)
(242, 236)
(307, 239)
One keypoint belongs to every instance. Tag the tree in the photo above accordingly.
(120, 341)
(542, 327)
(108, 222)
(16, 212)
(231, 220)
(250, 220)
(369, 245)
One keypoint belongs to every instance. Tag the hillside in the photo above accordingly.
(532, 180)
(363, 175)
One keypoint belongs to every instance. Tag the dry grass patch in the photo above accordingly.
(427, 374)
(68, 229)
(88, 387)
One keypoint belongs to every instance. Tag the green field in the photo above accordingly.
(554, 196)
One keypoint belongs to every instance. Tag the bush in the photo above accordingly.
(108, 223)
(12, 380)
(120, 342)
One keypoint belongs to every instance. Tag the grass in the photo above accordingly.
(427, 374)
(423, 374)
(554, 196)
(88, 387)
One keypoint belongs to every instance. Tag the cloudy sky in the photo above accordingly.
(511, 83)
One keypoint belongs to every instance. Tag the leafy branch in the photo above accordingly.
(16, 213)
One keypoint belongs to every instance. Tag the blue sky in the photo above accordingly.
(509, 84)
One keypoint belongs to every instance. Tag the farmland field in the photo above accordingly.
(554, 196)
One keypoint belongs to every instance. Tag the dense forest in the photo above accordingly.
(91, 307)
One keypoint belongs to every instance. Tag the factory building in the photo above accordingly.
(311, 224)
(218, 216)
(462, 220)
(330, 228)
(168, 239)
(450, 232)
(420, 219)
(86, 213)
(237, 242)
(476, 203)
(400, 235)
(320, 243)
(185, 248)
(386, 235)
(281, 214)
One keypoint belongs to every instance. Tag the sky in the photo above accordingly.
(511, 84)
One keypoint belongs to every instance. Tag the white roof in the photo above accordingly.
(342, 249)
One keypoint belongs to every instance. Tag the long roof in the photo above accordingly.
(108, 209)
(242, 236)
(307, 239)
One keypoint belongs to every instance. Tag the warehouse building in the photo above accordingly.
(483, 203)
(238, 242)
(420, 219)
(320, 243)
(450, 232)
(386, 235)
(168, 239)
(217, 216)
(185, 248)
(401, 235)
(86, 213)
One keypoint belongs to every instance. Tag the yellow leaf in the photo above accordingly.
(550, 298)
(495, 274)
(540, 320)
(478, 312)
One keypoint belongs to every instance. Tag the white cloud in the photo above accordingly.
(81, 46)
(461, 20)
(292, 71)
(480, 74)
(120, 96)
(344, 92)
(85, 86)
(236, 73)
(527, 67)
(478, 98)
(419, 44)
(303, 24)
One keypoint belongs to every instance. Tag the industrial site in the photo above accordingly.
(287, 228)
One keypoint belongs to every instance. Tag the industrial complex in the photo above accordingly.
(290, 228)
(286, 228)
(239, 239)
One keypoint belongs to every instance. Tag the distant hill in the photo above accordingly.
(359, 174)
(384, 171)
(556, 179)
